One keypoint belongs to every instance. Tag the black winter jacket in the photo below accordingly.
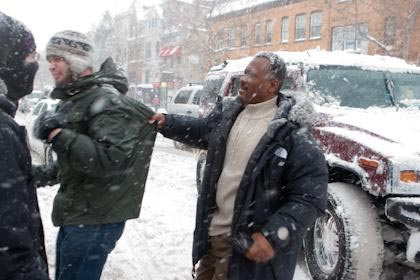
(22, 253)
(283, 188)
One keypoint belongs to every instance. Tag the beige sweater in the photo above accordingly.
(244, 136)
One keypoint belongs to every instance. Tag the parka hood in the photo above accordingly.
(296, 109)
(109, 74)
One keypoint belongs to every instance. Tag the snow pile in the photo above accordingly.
(157, 245)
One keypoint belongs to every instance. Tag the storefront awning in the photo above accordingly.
(170, 51)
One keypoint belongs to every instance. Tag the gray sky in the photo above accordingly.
(46, 17)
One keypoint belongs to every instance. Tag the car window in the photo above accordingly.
(355, 88)
(37, 109)
(407, 88)
(44, 108)
(182, 97)
(53, 107)
(236, 84)
(197, 97)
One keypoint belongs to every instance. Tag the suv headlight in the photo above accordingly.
(410, 176)
(405, 176)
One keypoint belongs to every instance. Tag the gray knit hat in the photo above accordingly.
(75, 47)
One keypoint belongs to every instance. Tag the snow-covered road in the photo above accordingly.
(156, 246)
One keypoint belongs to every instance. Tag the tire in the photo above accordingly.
(345, 243)
(201, 164)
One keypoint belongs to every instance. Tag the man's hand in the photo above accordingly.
(46, 123)
(49, 124)
(261, 250)
(159, 119)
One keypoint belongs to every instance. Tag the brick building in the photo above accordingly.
(244, 27)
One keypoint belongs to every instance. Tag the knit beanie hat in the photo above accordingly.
(75, 47)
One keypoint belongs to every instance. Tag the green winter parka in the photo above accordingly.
(103, 152)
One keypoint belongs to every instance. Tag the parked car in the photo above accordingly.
(27, 103)
(42, 150)
(187, 101)
(368, 127)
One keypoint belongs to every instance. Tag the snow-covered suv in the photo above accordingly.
(368, 127)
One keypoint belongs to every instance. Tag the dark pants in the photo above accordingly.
(214, 265)
(82, 250)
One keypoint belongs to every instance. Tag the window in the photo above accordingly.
(316, 25)
(390, 23)
(362, 42)
(244, 34)
(220, 39)
(132, 76)
(147, 76)
(300, 31)
(337, 38)
(37, 109)
(257, 34)
(132, 31)
(182, 97)
(350, 37)
(148, 51)
(230, 41)
(197, 97)
(285, 30)
(268, 31)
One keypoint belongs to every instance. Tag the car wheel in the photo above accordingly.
(346, 242)
(201, 165)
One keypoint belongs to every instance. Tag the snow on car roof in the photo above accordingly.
(315, 58)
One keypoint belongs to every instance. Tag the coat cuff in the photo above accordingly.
(279, 236)
(62, 141)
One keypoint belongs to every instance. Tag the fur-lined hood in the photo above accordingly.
(295, 108)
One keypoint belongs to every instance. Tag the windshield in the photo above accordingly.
(407, 89)
(357, 88)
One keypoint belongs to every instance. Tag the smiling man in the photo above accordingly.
(103, 145)
(265, 179)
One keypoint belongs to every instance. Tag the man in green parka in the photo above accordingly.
(103, 143)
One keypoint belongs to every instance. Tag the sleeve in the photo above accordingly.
(192, 131)
(306, 184)
(16, 241)
(45, 174)
(112, 135)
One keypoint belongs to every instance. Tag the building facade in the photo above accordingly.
(371, 27)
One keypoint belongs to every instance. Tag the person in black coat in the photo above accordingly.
(22, 251)
(265, 180)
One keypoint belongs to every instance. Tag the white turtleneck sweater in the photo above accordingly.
(246, 132)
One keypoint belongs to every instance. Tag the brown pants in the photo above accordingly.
(214, 265)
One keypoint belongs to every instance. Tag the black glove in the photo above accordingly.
(48, 121)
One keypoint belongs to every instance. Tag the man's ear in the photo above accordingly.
(274, 86)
